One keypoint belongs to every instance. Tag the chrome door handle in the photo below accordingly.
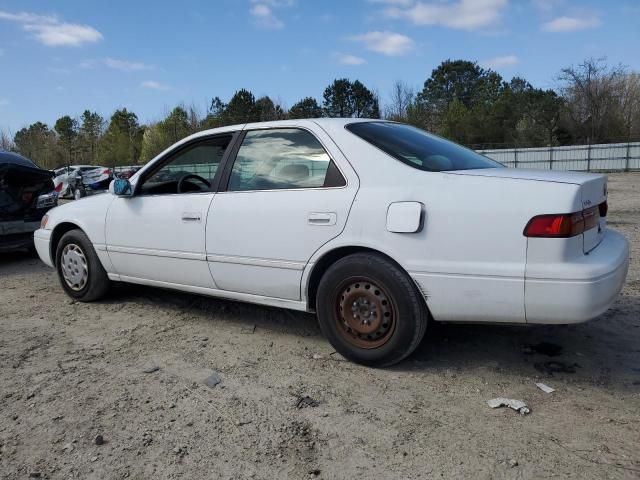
(322, 218)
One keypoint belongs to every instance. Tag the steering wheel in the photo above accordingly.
(191, 176)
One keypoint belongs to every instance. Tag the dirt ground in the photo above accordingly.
(132, 369)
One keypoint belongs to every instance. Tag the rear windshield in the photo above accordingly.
(418, 148)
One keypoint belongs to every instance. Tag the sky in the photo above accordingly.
(60, 58)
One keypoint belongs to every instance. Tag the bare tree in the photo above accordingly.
(629, 95)
(591, 91)
(400, 100)
(6, 141)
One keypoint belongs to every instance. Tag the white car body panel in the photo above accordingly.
(142, 240)
(468, 256)
(245, 230)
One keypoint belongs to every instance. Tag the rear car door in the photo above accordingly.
(158, 234)
(289, 191)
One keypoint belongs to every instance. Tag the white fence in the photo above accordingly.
(604, 157)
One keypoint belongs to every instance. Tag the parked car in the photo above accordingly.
(127, 172)
(77, 181)
(26, 194)
(376, 226)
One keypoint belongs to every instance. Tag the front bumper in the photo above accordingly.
(586, 288)
(42, 241)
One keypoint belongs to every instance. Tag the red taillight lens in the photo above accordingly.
(604, 208)
(106, 171)
(591, 218)
(557, 226)
(565, 225)
(58, 187)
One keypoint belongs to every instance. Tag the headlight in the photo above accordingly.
(43, 222)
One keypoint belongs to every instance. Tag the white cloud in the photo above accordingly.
(64, 34)
(348, 59)
(263, 15)
(124, 65)
(570, 24)
(52, 32)
(459, 14)
(153, 85)
(498, 62)
(387, 43)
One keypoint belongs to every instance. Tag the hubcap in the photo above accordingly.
(366, 316)
(75, 270)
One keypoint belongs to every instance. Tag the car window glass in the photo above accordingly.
(200, 160)
(283, 158)
(419, 149)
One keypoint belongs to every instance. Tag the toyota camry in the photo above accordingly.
(377, 227)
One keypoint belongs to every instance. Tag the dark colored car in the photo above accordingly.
(26, 194)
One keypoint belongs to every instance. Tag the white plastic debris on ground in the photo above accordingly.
(518, 405)
(545, 388)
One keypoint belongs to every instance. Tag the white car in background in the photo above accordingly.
(376, 226)
(75, 181)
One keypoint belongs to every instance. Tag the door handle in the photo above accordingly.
(191, 217)
(322, 218)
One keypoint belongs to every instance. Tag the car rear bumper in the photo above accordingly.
(41, 240)
(585, 289)
(15, 235)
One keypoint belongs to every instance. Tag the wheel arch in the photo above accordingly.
(332, 256)
(59, 230)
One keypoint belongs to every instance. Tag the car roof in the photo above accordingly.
(302, 122)
(14, 158)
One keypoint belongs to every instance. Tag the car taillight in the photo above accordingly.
(604, 208)
(106, 171)
(59, 187)
(563, 225)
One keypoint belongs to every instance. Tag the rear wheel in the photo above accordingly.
(370, 310)
(80, 272)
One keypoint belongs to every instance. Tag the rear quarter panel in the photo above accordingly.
(469, 258)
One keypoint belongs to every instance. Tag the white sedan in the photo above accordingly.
(376, 226)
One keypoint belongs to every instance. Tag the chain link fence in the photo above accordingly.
(610, 157)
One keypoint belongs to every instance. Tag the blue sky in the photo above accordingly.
(62, 57)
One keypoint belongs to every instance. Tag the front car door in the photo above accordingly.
(158, 234)
(288, 192)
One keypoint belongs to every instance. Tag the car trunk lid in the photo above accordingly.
(593, 193)
(20, 187)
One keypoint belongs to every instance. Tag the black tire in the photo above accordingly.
(389, 293)
(96, 284)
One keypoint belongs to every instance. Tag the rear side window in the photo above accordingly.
(284, 158)
(418, 148)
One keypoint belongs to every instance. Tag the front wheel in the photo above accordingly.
(81, 274)
(370, 310)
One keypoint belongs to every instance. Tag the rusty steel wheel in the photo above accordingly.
(366, 315)
(370, 309)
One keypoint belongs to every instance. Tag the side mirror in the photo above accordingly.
(121, 187)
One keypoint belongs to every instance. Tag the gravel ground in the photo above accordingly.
(116, 389)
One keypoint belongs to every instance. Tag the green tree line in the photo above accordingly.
(592, 103)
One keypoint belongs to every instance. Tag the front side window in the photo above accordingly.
(418, 148)
(283, 158)
(191, 169)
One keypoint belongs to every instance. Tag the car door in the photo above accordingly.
(158, 234)
(288, 191)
